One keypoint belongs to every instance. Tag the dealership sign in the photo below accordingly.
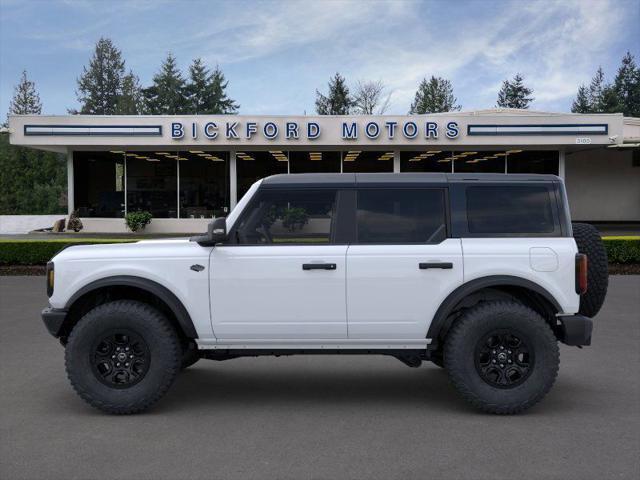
(292, 130)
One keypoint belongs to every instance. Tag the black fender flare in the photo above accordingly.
(441, 322)
(154, 288)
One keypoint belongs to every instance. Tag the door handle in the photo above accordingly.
(318, 266)
(442, 265)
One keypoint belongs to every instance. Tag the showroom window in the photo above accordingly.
(152, 183)
(533, 161)
(252, 166)
(471, 161)
(99, 184)
(314, 162)
(432, 160)
(361, 161)
(203, 184)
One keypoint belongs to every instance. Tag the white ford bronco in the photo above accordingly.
(480, 274)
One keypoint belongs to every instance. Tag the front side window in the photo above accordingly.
(401, 216)
(289, 217)
(509, 210)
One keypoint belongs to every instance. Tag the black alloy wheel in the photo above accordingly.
(120, 359)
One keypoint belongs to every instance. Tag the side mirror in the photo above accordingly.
(216, 233)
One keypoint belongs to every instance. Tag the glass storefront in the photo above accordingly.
(152, 184)
(99, 184)
(367, 161)
(252, 166)
(195, 183)
(204, 184)
(481, 161)
(314, 162)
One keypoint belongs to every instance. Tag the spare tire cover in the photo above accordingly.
(589, 242)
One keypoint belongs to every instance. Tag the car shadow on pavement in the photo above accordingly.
(214, 385)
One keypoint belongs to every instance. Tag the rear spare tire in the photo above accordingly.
(589, 242)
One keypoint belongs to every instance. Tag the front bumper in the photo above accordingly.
(53, 319)
(575, 330)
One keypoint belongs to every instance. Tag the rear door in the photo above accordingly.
(284, 276)
(402, 264)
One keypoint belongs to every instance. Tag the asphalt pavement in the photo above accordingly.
(319, 417)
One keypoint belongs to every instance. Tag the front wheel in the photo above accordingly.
(502, 357)
(122, 356)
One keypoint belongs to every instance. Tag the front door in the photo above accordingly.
(283, 276)
(401, 265)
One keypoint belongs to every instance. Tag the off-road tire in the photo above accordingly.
(160, 338)
(468, 332)
(589, 242)
(190, 355)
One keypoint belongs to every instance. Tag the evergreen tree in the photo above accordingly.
(514, 94)
(338, 101)
(581, 104)
(31, 181)
(167, 95)
(596, 91)
(219, 102)
(99, 86)
(25, 99)
(130, 101)
(627, 86)
(206, 91)
(433, 96)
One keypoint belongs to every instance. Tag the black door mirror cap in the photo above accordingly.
(216, 233)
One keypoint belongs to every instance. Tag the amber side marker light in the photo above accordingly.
(50, 279)
(581, 273)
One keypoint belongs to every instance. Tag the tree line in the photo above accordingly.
(33, 181)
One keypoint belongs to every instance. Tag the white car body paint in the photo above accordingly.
(252, 297)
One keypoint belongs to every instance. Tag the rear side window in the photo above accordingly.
(401, 216)
(289, 217)
(510, 210)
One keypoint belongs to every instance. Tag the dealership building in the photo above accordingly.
(186, 170)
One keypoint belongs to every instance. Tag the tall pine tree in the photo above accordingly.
(100, 85)
(31, 181)
(130, 101)
(167, 94)
(25, 99)
(581, 104)
(206, 92)
(433, 96)
(627, 86)
(338, 100)
(514, 94)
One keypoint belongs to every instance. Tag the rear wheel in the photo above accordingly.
(502, 357)
(122, 356)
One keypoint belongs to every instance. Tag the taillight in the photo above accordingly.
(50, 279)
(581, 273)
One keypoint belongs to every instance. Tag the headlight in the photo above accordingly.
(50, 279)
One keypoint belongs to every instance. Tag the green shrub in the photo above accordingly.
(622, 249)
(39, 252)
(137, 220)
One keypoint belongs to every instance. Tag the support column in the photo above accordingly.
(233, 180)
(561, 163)
(396, 161)
(70, 189)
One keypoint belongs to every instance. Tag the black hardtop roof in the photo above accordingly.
(397, 179)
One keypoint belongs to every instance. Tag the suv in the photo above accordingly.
(480, 274)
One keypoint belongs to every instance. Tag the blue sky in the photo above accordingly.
(276, 53)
